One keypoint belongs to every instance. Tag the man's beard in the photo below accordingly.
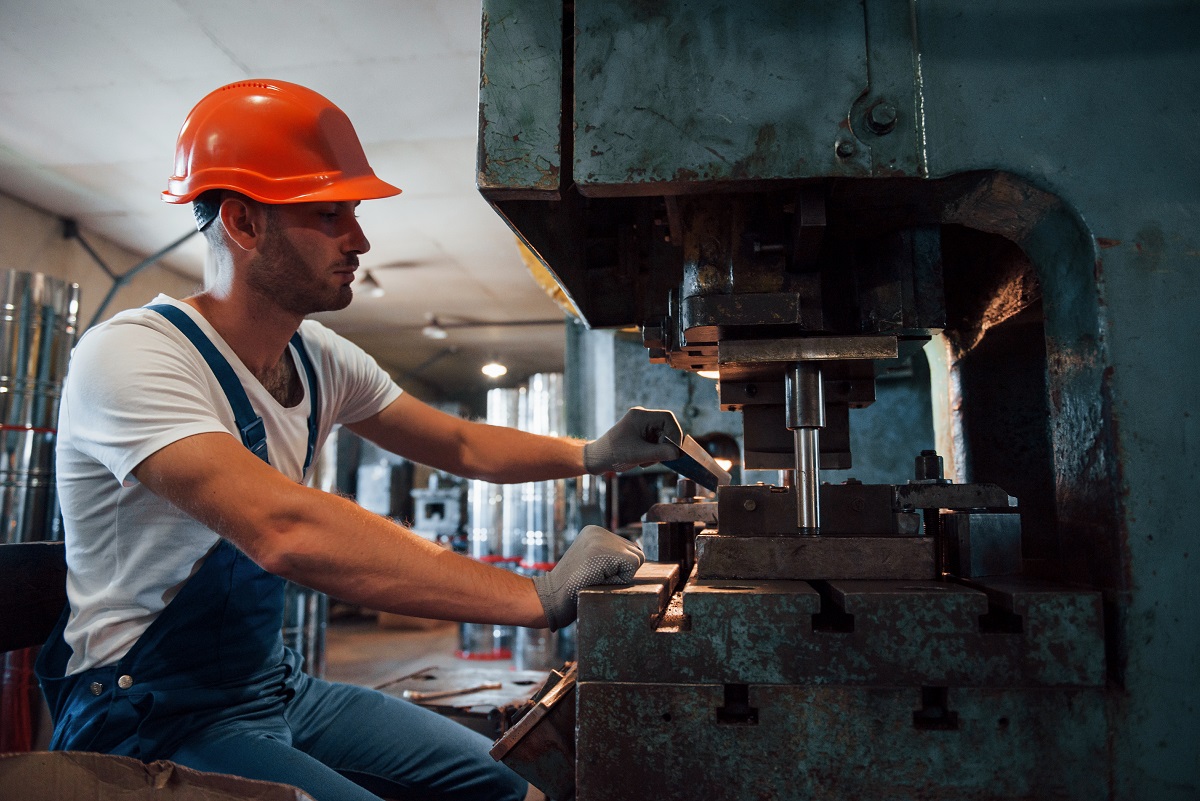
(281, 272)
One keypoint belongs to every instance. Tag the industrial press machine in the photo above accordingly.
(794, 194)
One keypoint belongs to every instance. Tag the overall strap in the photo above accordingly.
(249, 423)
(314, 407)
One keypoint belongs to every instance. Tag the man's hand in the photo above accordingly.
(637, 439)
(596, 557)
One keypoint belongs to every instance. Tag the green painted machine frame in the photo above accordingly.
(1064, 131)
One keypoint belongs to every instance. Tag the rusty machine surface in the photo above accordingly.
(792, 194)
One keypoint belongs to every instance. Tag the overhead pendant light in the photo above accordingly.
(369, 283)
(433, 330)
(494, 369)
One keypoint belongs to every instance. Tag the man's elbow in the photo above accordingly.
(275, 545)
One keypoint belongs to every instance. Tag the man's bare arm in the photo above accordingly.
(423, 434)
(329, 543)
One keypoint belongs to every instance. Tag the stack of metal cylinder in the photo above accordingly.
(545, 509)
(37, 331)
(495, 531)
(522, 527)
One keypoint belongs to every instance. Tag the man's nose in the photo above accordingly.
(356, 240)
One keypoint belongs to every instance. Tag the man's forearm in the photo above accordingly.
(509, 456)
(470, 449)
(335, 546)
(328, 542)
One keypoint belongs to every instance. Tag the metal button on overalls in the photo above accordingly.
(125, 682)
(96, 688)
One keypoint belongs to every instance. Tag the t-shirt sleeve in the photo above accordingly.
(358, 385)
(131, 391)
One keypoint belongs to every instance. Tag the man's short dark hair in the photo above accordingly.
(207, 206)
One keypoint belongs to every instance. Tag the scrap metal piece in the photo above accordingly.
(417, 695)
(698, 512)
(487, 711)
(695, 463)
(541, 745)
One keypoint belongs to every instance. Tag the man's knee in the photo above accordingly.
(511, 786)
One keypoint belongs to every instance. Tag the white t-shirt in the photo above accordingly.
(136, 384)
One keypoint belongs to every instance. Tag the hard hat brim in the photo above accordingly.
(265, 190)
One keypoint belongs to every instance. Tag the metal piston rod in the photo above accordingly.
(806, 417)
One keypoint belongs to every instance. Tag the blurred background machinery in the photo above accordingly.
(800, 198)
(527, 527)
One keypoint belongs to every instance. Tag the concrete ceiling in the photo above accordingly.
(92, 95)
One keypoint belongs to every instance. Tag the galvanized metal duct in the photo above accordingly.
(37, 332)
(492, 533)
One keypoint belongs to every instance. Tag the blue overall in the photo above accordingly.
(210, 684)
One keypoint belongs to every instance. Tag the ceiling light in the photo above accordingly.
(494, 369)
(434, 331)
(369, 283)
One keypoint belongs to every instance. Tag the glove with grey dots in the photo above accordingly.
(596, 557)
(638, 438)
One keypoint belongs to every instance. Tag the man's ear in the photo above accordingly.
(244, 221)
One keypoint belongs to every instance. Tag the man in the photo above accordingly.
(186, 430)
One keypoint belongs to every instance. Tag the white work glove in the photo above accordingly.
(637, 439)
(597, 556)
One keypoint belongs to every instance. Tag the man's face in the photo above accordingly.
(307, 256)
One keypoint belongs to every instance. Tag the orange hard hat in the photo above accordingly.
(274, 141)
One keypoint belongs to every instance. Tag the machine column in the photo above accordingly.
(806, 417)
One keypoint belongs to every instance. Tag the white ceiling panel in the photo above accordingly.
(92, 95)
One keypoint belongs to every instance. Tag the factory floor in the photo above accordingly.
(361, 649)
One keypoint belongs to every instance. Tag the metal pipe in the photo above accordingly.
(805, 397)
(808, 502)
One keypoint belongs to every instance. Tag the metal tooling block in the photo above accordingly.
(729, 632)
(826, 743)
(850, 509)
(851, 632)
(802, 558)
(982, 543)
(1063, 629)
(1022, 634)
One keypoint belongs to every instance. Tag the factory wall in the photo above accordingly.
(32, 240)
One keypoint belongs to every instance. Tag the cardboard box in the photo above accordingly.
(81, 776)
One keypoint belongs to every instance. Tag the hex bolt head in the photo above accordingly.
(928, 466)
(845, 148)
(881, 118)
